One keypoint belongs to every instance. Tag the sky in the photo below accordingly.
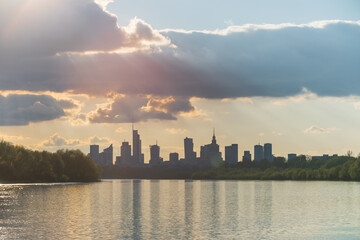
(75, 73)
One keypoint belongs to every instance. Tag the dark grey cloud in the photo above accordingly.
(67, 104)
(241, 61)
(264, 62)
(22, 109)
(134, 108)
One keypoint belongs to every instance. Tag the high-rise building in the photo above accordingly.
(268, 152)
(210, 156)
(94, 153)
(106, 157)
(291, 156)
(118, 161)
(174, 157)
(155, 158)
(125, 151)
(137, 155)
(231, 154)
(190, 155)
(246, 157)
(258, 153)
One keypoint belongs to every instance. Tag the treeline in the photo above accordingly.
(344, 168)
(18, 164)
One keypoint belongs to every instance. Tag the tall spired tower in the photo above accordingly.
(210, 156)
(213, 142)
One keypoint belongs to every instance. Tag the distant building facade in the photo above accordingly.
(210, 156)
(258, 153)
(138, 157)
(247, 157)
(291, 157)
(174, 157)
(125, 158)
(105, 158)
(231, 154)
(95, 154)
(190, 155)
(155, 158)
(268, 156)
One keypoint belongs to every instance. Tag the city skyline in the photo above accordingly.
(281, 73)
(230, 155)
(179, 119)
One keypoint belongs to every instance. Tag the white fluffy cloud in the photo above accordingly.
(58, 141)
(43, 28)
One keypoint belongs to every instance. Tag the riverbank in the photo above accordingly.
(335, 169)
(20, 165)
(342, 168)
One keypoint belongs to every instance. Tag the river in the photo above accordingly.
(181, 209)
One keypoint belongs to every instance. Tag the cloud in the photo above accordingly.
(103, 3)
(58, 141)
(78, 119)
(22, 109)
(97, 140)
(256, 60)
(135, 108)
(317, 130)
(121, 130)
(45, 28)
(176, 130)
(67, 104)
(12, 138)
(67, 46)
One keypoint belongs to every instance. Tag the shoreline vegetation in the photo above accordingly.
(341, 168)
(20, 165)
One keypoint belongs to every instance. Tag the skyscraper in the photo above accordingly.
(246, 157)
(210, 156)
(155, 155)
(106, 157)
(125, 150)
(190, 155)
(258, 153)
(231, 154)
(137, 155)
(268, 152)
(94, 153)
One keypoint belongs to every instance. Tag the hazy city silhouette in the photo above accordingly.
(210, 155)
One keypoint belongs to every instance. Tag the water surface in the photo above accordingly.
(179, 209)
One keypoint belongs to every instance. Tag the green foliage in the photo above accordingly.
(18, 164)
(344, 168)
